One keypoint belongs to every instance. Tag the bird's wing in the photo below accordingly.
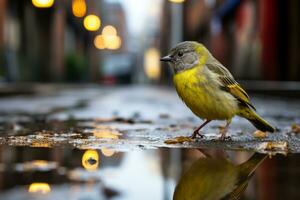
(229, 84)
(238, 192)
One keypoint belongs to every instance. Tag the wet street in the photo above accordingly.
(59, 142)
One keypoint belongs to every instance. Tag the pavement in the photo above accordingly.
(136, 117)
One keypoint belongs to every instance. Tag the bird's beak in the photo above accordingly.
(166, 59)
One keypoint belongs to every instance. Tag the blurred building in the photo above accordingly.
(117, 65)
(254, 39)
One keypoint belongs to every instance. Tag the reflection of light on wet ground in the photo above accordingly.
(90, 160)
(107, 152)
(105, 132)
(39, 165)
(42, 188)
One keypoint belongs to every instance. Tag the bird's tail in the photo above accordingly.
(256, 120)
(250, 165)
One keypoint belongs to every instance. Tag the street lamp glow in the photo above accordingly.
(152, 63)
(112, 42)
(79, 8)
(109, 31)
(43, 3)
(92, 23)
(99, 42)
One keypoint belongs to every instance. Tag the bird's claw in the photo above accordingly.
(195, 134)
(225, 138)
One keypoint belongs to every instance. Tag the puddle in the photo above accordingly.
(63, 173)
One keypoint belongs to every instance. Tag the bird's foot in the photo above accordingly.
(195, 134)
(225, 138)
(223, 131)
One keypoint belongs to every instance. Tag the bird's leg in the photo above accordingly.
(224, 129)
(196, 132)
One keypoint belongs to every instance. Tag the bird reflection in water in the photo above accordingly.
(215, 178)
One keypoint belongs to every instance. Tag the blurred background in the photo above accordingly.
(97, 43)
(115, 41)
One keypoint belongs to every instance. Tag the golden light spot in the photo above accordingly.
(103, 132)
(99, 42)
(79, 8)
(42, 188)
(107, 152)
(92, 23)
(177, 1)
(260, 134)
(152, 63)
(112, 42)
(43, 3)
(90, 160)
(109, 31)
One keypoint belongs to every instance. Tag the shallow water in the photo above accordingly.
(64, 173)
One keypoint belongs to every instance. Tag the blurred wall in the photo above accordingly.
(254, 39)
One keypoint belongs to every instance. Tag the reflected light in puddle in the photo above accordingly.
(43, 3)
(107, 152)
(103, 132)
(42, 188)
(40, 165)
(79, 8)
(90, 160)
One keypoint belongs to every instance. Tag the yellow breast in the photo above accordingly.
(203, 96)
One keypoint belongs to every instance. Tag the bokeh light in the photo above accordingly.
(107, 152)
(109, 31)
(42, 188)
(112, 42)
(79, 8)
(106, 133)
(92, 23)
(177, 1)
(90, 160)
(43, 3)
(152, 63)
(99, 42)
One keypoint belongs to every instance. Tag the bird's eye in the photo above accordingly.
(180, 54)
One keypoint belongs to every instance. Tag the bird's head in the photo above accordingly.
(187, 55)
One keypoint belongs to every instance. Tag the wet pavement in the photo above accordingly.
(128, 118)
(86, 143)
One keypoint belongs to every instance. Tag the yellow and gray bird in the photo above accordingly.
(209, 89)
